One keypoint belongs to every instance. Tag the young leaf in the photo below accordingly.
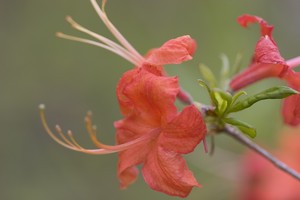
(224, 100)
(242, 126)
(278, 92)
(208, 75)
(210, 92)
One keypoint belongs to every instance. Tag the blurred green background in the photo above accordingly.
(72, 78)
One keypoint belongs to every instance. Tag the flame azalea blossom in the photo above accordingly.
(174, 51)
(267, 61)
(260, 180)
(152, 134)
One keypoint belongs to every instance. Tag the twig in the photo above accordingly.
(258, 149)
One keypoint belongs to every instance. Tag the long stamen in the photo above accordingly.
(70, 134)
(114, 30)
(105, 149)
(91, 42)
(103, 39)
(61, 134)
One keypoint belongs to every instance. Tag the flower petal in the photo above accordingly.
(291, 110)
(267, 52)
(184, 132)
(265, 28)
(151, 96)
(167, 172)
(128, 130)
(174, 51)
(267, 62)
(291, 104)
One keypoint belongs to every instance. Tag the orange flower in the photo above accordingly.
(267, 61)
(262, 181)
(153, 133)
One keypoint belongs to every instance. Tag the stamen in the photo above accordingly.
(105, 149)
(91, 42)
(103, 39)
(114, 30)
(60, 133)
(92, 130)
(50, 133)
(70, 134)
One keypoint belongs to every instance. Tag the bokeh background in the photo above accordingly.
(72, 78)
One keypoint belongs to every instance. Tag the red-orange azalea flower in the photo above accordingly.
(152, 133)
(266, 62)
(261, 181)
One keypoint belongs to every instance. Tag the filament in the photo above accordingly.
(72, 144)
(91, 42)
(114, 30)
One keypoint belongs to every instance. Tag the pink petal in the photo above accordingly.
(149, 95)
(246, 19)
(267, 52)
(267, 62)
(184, 132)
(128, 130)
(291, 104)
(167, 172)
(291, 110)
(174, 51)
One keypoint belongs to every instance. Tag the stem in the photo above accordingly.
(294, 62)
(258, 149)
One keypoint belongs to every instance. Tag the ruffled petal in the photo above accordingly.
(291, 104)
(267, 62)
(167, 172)
(174, 51)
(265, 28)
(267, 52)
(128, 130)
(151, 96)
(291, 110)
(184, 132)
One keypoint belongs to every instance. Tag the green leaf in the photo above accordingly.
(210, 92)
(278, 92)
(224, 100)
(222, 103)
(237, 95)
(208, 75)
(242, 126)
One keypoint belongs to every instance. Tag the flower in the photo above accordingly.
(152, 133)
(266, 62)
(260, 180)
